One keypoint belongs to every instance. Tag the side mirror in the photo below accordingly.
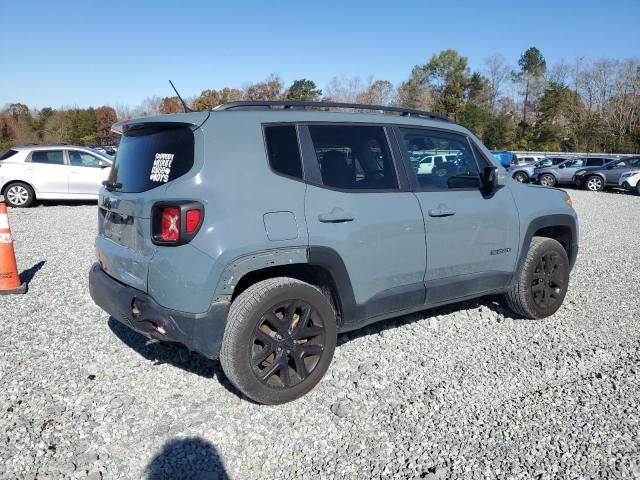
(561, 166)
(491, 180)
(610, 167)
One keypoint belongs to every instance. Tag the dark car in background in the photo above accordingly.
(596, 179)
(522, 173)
(563, 173)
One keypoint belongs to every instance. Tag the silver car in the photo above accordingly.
(51, 172)
(562, 173)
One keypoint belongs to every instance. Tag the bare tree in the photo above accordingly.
(498, 72)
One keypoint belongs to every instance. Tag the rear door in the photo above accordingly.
(48, 172)
(358, 208)
(87, 173)
(472, 239)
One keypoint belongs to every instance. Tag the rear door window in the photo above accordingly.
(50, 157)
(150, 157)
(354, 157)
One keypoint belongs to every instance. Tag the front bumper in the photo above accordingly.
(199, 332)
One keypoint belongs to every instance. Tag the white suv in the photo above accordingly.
(51, 172)
(630, 181)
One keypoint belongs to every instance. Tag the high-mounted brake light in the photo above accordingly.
(170, 224)
(176, 222)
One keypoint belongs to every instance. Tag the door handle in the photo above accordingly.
(441, 212)
(337, 215)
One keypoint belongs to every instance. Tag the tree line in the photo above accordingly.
(579, 106)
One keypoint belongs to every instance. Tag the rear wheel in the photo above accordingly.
(594, 183)
(543, 281)
(19, 194)
(521, 177)
(279, 340)
(547, 180)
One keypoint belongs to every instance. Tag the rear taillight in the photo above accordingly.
(175, 223)
(170, 230)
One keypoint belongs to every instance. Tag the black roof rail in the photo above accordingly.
(286, 105)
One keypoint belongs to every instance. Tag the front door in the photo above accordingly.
(358, 214)
(86, 174)
(472, 238)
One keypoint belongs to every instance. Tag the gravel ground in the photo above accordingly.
(459, 392)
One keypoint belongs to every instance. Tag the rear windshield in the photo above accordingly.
(7, 153)
(149, 157)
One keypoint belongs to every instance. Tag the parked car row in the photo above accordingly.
(591, 173)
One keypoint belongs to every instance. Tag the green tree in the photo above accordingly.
(303, 90)
(447, 75)
(532, 68)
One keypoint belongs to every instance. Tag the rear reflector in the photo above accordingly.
(170, 231)
(193, 220)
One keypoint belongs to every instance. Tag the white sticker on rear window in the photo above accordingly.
(161, 167)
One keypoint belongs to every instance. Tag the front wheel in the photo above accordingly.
(594, 183)
(521, 177)
(547, 180)
(638, 188)
(19, 194)
(542, 282)
(279, 340)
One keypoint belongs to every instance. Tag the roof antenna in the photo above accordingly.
(186, 109)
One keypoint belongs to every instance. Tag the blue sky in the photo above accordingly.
(63, 53)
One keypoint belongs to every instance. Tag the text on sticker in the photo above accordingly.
(161, 167)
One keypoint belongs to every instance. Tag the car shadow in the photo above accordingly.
(65, 203)
(186, 458)
(27, 275)
(171, 353)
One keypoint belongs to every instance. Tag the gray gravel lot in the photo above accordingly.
(459, 392)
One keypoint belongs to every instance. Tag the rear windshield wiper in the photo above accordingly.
(111, 186)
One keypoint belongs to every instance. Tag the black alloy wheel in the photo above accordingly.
(288, 343)
(549, 281)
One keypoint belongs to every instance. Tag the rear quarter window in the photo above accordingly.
(150, 157)
(8, 154)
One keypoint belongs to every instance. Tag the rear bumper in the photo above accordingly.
(199, 332)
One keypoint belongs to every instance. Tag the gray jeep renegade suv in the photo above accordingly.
(257, 232)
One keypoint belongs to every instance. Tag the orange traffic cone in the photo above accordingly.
(9, 277)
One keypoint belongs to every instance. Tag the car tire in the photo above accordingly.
(279, 340)
(547, 180)
(594, 183)
(521, 177)
(542, 282)
(19, 195)
(638, 188)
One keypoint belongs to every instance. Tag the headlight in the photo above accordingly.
(629, 174)
(581, 172)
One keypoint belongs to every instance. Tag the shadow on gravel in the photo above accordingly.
(173, 354)
(67, 203)
(186, 458)
(27, 275)
(490, 302)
